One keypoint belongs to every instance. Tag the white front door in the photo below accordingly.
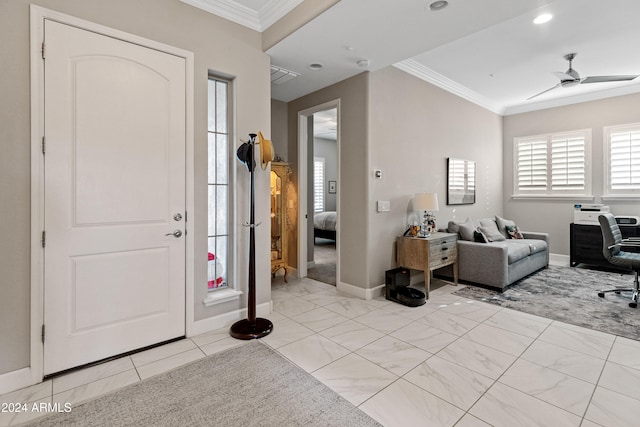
(114, 276)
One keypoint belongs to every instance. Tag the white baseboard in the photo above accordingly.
(227, 319)
(559, 260)
(15, 380)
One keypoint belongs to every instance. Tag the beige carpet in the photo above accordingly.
(249, 385)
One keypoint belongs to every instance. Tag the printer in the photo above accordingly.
(587, 213)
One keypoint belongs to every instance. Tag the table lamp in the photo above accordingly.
(427, 203)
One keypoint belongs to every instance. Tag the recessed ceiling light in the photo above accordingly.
(315, 66)
(541, 19)
(363, 63)
(438, 5)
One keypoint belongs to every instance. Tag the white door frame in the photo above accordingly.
(34, 373)
(303, 154)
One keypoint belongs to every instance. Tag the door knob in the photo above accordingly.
(175, 233)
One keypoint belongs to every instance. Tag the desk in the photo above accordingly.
(586, 244)
(428, 254)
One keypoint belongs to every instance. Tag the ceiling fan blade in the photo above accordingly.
(563, 76)
(544, 91)
(602, 79)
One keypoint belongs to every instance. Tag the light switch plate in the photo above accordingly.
(384, 205)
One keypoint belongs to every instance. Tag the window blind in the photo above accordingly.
(568, 163)
(532, 165)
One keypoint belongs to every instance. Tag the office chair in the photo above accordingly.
(612, 242)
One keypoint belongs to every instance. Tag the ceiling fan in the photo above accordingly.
(571, 77)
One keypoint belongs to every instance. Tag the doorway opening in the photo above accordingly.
(324, 175)
(318, 181)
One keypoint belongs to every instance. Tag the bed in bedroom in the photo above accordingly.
(324, 225)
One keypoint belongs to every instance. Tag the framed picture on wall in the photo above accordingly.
(332, 187)
(461, 182)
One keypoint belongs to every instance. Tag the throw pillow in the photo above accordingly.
(492, 234)
(454, 226)
(491, 230)
(514, 232)
(479, 237)
(466, 230)
(503, 224)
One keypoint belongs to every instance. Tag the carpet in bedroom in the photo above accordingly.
(324, 258)
(569, 295)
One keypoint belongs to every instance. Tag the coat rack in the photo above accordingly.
(251, 327)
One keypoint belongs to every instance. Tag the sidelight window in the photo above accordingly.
(218, 184)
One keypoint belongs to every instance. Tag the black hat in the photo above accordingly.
(245, 155)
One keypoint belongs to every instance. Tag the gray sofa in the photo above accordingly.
(495, 253)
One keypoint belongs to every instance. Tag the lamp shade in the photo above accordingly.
(425, 202)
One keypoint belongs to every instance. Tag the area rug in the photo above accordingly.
(570, 295)
(249, 385)
(324, 259)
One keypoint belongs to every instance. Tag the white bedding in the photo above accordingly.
(324, 220)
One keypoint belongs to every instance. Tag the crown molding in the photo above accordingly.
(575, 99)
(260, 20)
(422, 72)
(274, 10)
(229, 9)
(418, 70)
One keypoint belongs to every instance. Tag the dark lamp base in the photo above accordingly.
(245, 330)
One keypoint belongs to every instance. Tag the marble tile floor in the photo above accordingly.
(450, 362)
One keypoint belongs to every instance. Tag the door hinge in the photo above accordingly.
(44, 144)
(44, 238)
(43, 333)
(185, 216)
(43, 55)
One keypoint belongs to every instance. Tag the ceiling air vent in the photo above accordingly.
(281, 75)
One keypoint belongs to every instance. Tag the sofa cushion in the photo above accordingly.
(535, 245)
(517, 251)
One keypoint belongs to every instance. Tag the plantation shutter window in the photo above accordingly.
(553, 165)
(532, 165)
(623, 154)
(568, 163)
(318, 184)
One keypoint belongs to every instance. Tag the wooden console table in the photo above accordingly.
(428, 254)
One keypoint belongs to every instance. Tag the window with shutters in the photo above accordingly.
(318, 184)
(622, 159)
(553, 164)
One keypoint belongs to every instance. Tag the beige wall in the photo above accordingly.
(219, 46)
(554, 216)
(414, 126)
(352, 185)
